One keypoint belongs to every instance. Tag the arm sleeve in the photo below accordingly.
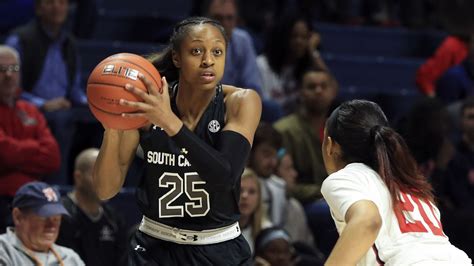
(220, 164)
(341, 191)
(38, 155)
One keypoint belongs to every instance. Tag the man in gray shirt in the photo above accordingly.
(36, 213)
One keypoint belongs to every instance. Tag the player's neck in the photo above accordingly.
(192, 104)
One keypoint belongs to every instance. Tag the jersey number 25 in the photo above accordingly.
(415, 215)
(199, 205)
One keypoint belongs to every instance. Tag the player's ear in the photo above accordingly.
(332, 148)
(175, 57)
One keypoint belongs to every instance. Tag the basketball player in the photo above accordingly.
(383, 208)
(195, 148)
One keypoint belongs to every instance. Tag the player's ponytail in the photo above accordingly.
(396, 166)
(362, 130)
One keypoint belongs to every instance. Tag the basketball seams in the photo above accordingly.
(104, 111)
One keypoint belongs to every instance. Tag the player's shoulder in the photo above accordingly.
(352, 173)
(235, 95)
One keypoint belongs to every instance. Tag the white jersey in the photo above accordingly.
(414, 236)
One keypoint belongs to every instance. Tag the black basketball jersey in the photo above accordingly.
(171, 191)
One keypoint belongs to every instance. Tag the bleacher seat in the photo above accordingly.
(176, 9)
(377, 41)
(143, 21)
(395, 104)
(91, 52)
(379, 73)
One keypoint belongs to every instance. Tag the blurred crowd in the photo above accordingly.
(48, 134)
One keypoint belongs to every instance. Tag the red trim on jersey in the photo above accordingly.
(376, 251)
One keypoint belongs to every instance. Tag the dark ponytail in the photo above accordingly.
(163, 61)
(396, 166)
(361, 129)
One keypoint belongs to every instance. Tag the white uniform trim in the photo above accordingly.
(188, 237)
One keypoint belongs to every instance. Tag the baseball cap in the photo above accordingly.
(41, 198)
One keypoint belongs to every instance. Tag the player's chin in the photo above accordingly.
(208, 85)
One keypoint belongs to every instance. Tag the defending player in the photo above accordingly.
(383, 208)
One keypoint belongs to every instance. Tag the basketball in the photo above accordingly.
(106, 86)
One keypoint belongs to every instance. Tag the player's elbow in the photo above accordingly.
(373, 224)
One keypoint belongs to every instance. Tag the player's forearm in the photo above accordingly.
(110, 169)
(227, 158)
(363, 225)
(353, 244)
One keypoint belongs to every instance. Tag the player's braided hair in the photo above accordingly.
(164, 62)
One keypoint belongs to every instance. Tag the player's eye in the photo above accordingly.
(218, 52)
(196, 51)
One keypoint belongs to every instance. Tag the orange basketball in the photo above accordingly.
(106, 86)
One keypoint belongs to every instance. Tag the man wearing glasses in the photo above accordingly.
(28, 151)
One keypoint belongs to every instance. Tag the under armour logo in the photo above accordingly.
(214, 126)
(139, 248)
(185, 237)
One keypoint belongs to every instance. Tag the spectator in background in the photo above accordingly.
(298, 229)
(263, 160)
(460, 170)
(252, 215)
(52, 79)
(37, 214)
(274, 247)
(282, 210)
(433, 151)
(28, 151)
(240, 65)
(459, 185)
(458, 81)
(431, 147)
(290, 48)
(452, 51)
(302, 133)
(241, 60)
(93, 229)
